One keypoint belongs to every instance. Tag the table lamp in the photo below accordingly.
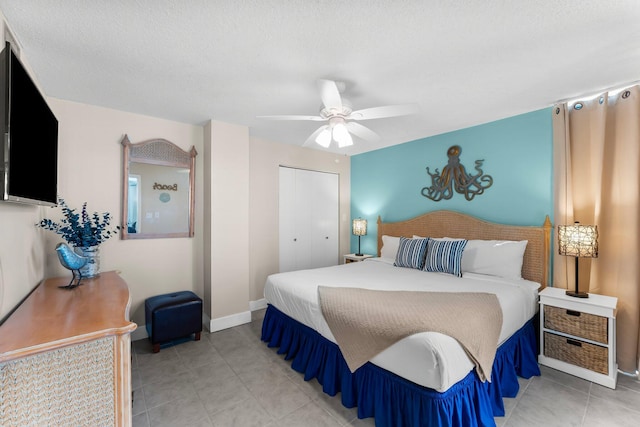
(580, 241)
(359, 229)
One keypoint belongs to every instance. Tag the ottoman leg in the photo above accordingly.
(156, 348)
(197, 336)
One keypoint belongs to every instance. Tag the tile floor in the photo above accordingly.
(231, 378)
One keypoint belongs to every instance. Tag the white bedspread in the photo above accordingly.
(430, 359)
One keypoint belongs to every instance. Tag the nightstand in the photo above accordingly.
(355, 258)
(578, 335)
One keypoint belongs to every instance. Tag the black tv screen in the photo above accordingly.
(30, 137)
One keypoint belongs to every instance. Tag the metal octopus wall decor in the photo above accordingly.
(455, 177)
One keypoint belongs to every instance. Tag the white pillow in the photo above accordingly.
(390, 246)
(437, 238)
(502, 258)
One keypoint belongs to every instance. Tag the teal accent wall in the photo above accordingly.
(517, 153)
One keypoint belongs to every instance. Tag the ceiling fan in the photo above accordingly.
(342, 119)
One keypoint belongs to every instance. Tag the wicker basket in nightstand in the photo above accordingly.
(576, 323)
(579, 353)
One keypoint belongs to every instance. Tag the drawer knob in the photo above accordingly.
(573, 313)
(574, 342)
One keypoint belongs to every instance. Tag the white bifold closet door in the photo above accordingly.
(308, 206)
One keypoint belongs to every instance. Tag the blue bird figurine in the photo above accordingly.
(72, 261)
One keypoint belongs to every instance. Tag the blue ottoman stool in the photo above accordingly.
(172, 316)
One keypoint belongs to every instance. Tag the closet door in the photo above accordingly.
(308, 219)
(287, 218)
(324, 218)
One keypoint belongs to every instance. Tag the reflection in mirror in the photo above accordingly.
(133, 204)
(158, 190)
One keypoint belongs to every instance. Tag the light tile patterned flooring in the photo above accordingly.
(231, 378)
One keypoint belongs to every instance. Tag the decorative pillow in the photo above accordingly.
(411, 253)
(445, 256)
(389, 247)
(502, 258)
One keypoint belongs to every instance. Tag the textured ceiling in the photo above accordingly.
(464, 62)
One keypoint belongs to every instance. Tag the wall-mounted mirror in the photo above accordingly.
(157, 190)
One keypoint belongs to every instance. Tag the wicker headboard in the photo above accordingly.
(443, 223)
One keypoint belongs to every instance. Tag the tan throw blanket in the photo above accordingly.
(364, 322)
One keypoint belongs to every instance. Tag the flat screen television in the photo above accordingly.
(29, 154)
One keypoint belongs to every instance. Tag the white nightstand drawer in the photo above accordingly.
(355, 258)
(589, 356)
(577, 323)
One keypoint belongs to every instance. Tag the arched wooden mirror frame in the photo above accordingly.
(160, 152)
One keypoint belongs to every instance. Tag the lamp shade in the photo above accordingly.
(359, 227)
(578, 240)
(324, 138)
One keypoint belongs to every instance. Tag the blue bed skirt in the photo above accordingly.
(392, 400)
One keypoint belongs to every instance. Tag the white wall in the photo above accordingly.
(226, 151)
(22, 254)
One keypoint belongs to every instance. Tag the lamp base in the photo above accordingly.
(358, 254)
(577, 294)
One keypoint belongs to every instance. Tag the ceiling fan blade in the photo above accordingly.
(312, 118)
(314, 135)
(330, 94)
(386, 111)
(362, 132)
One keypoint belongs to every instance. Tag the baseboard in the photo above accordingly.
(227, 322)
(258, 305)
(206, 322)
(236, 319)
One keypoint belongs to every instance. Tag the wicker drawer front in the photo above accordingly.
(583, 325)
(585, 355)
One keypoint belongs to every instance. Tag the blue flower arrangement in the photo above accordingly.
(81, 229)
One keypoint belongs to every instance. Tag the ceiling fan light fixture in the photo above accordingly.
(324, 138)
(341, 135)
(341, 119)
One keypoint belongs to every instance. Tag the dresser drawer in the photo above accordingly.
(583, 325)
(579, 353)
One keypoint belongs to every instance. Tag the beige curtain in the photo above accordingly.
(596, 182)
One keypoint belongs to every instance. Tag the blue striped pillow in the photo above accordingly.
(411, 253)
(445, 256)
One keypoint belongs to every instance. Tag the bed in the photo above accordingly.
(423, 377)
